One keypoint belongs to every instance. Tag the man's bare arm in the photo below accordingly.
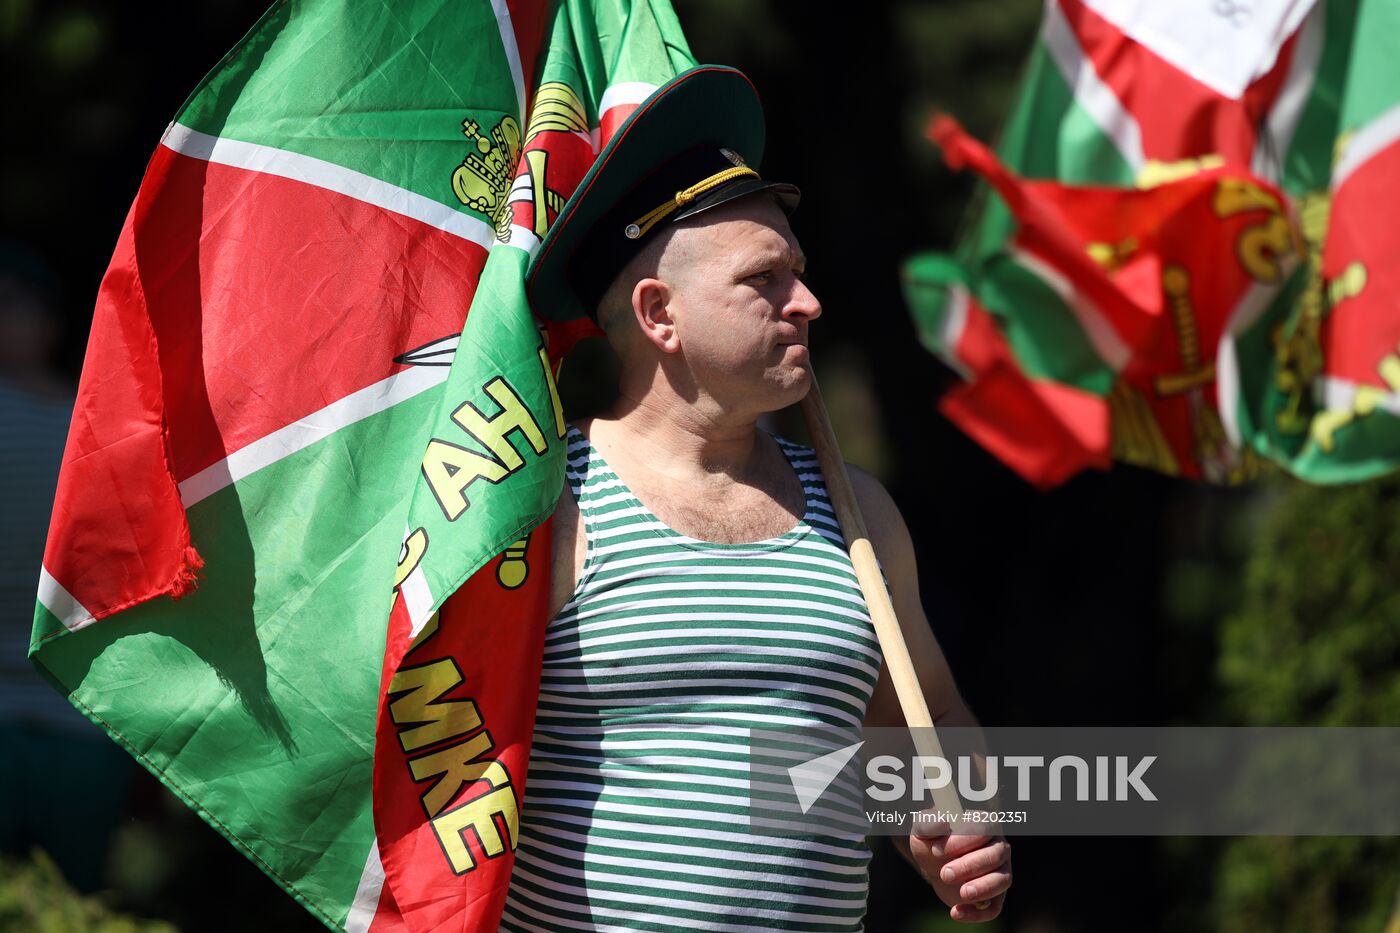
(889, 536)
(980, 866)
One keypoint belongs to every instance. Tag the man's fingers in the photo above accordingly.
(928, 852)
(970, 913)
(930, 828)
(943, 846)
(961, 845)
(986, 887)
(974, 864)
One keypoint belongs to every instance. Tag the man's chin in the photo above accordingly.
(792, 383)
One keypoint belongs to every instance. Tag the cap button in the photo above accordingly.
(633, 231)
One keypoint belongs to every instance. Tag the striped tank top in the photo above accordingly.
(669, 651)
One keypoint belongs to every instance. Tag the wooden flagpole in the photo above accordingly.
(877, 598)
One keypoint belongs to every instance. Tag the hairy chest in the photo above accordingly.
(725, 515)
(743, 515)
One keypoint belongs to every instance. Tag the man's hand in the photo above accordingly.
(980, 865)
(968, 873)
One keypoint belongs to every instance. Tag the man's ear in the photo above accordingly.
(651, 300)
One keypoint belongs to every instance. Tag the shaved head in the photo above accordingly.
(715, 308)
(681, 250)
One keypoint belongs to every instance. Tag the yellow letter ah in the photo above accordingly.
(492, 432)
(450, 469)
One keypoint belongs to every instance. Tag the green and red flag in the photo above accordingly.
(1134, 95)
(1151, 276)
(1316, 385)
(312, 341)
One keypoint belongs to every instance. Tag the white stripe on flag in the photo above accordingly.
(512, 50)
(306, 431)
(1227, 368)
(1276, 135)
(366, 893)
(523, 238)
(950, 330)
(418, 599)
(1227, 45)
(1105, 339)
(312, 171)
(1337, 394)
(1367, 142)
(1089, 90)
(623, 94)
(60, 602)
(417, 596)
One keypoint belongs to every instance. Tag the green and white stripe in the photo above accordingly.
(669, 652)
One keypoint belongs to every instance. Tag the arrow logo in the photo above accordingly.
(811, 778)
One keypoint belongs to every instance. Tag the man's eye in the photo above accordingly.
(762, 278)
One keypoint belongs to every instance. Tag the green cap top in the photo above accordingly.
(688, 147)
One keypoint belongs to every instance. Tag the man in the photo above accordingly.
(700, 587)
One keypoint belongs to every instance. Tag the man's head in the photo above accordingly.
(682, 252)
(716, 307)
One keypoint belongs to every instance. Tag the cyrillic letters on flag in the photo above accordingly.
(314, 391)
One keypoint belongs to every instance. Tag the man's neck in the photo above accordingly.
(681, 442)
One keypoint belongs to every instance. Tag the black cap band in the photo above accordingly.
(692, 182)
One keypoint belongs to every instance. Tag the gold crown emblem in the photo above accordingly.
(486, 179)
(483, 179)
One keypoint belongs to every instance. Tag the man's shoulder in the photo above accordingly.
(876, 503)
(889, 535)
(872, 496)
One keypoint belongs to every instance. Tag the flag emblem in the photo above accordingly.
(481, 181)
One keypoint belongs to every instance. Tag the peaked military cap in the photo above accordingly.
(694, 144)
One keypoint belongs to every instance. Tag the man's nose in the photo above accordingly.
(802, 303)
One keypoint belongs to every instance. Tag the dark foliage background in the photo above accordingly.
(1122, 598)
